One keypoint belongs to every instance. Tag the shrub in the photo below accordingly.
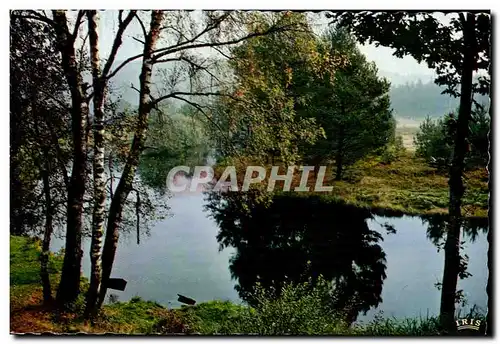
(393, 151)
(300, 309)
(171, 322)
(434, 140)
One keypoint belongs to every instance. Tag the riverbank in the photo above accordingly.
(405, 186)
(410, 186)
(302, 316)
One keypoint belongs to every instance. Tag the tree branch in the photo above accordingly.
(123, 64)
(179, 47)
(144, 32)
(193, 64)
(78, 22)
(176, 94)
(117, 42)
(36, 16)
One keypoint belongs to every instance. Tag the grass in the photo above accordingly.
(25, 270)
(28, 314)
(407, 185)
(217, 317)
(411, 186)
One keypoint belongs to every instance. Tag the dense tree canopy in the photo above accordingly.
(352, 106)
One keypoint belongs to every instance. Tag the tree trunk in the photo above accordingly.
(338, 158)
(69, 287)
(44, 257)
(125, 184)
(489, 286)
(98, 165)
(452, 245)
(45, 170)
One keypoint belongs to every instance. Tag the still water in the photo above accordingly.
(181, 256)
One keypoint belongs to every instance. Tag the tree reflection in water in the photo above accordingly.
(291, 238)
(436, 228)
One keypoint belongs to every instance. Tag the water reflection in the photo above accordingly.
(436, 228)
(292, 239)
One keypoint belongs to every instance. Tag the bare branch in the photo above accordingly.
(138, 40)
(123, 64)
(179, 47)
(144, 32)
(222, 53)
(182, 46)
(117, 42)
(192, 63)
(78, 22)
(135, 88)
(208, 117)
(202, 94)
(209, 27)
(176, 94)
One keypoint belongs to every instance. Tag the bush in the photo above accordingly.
(300, 309)
(434, 140)
(171, 322)
(393, 151)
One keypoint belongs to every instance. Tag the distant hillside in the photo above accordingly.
(418, 100)
(398, 79)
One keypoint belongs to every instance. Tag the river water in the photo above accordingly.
(181, 256)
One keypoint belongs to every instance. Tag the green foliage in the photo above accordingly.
(352, 106)
(434, 140)
(215, 317)
(270, 112)
(39, 124)
(399, 327)
(433, 143)
(393, 150)
(478, 137)
(298, 311)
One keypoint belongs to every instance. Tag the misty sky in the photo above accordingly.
(396, 69)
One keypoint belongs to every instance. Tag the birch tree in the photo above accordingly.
(183, 37)
(99, 82)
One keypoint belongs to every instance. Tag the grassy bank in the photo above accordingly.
(411, 186)
(290, 314)
(407, 186)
